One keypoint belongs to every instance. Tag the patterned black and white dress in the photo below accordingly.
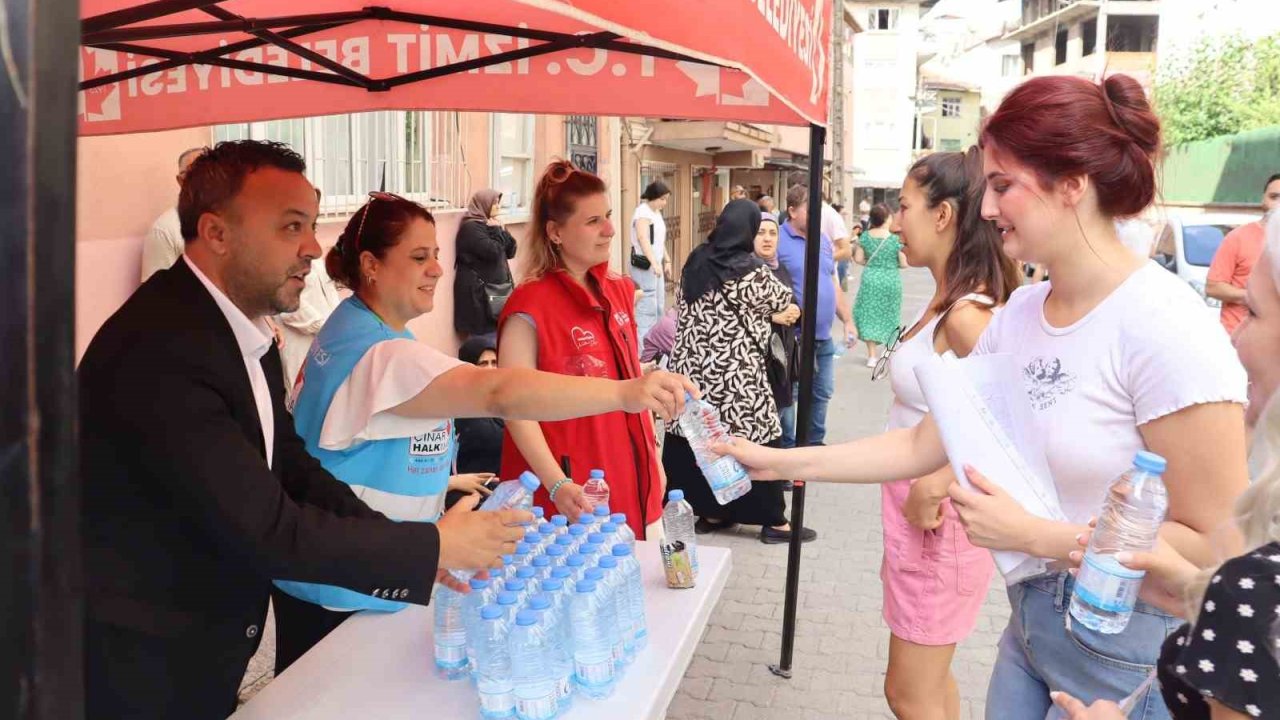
(721, 341)
(1229, 655)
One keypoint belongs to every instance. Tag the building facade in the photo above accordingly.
(1089, 38)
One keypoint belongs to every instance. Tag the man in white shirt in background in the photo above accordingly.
(163, 244)
(297, 329)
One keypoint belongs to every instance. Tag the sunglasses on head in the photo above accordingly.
(368, 208)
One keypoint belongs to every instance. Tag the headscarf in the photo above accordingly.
(475, 346)
(766, 216)
(728, 254)
(481, 205)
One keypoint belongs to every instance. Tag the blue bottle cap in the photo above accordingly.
(523, 548)
(608, 561)
(538, 511)
(1150, 462)
(688, 396)
(621, 550)
(506, 597)
(525, 573)
(515, 585)
(595, 537)
(609, 528)
(589, 549)
(508, 559)
(556, 550)
(492, 612)
(620, 518)
(540, 562)
(532, 537)
(564, 541)
(560, 573)
(675, 496)
(596, 473)
(529, 481)
(601, 511)
(594, 573)
(586, 519)
(539, 602)
(546, 529)
(577, 530)
(478, 584)
(575, 560)
(526, 617)
(559, 520)
(553, 584)
(585, 586)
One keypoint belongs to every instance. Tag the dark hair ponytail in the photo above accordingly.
(374, 228)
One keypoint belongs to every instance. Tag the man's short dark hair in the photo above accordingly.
(218, 174)
(1270, 180)
(797, 196)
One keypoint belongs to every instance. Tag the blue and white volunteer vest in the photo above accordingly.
(403, 478)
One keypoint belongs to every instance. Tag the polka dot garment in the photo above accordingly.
(1229, 655)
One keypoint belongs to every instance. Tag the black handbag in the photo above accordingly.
(496, 295)
(638, 260)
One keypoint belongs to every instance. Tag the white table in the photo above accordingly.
(377, 665)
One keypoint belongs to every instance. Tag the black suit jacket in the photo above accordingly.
(185, 526)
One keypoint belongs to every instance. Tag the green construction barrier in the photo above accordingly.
(1227, 169)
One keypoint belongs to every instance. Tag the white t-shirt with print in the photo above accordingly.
(1146, 351)
(644, 212)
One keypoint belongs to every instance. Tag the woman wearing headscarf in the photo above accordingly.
(480, 439)
(727, 300)
(483, 281)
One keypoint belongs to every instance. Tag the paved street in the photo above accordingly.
(841, 642)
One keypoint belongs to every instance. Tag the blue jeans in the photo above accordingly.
(1038, 655)
(824, 386)
(649, 307)
(842, 272)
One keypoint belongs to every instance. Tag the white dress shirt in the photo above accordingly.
(254, 338)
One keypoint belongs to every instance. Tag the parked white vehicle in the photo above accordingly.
(1189, 241)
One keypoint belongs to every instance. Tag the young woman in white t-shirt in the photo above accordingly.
(649, 241)
(1117, 356)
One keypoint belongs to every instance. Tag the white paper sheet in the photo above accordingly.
(985, 420)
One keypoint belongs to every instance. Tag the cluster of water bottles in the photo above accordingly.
(564, 615)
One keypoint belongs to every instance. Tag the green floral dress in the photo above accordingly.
(877, 311)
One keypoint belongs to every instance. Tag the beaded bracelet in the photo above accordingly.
(557, 486)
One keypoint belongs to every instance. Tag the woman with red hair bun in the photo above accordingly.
(1116, 355)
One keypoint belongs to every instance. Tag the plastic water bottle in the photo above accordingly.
(561, 664)
(556, 555)
(1105, 591)
(624, 647)
(541, 571)
(531, 679)
(493, 665)
(519, 588)
(576, 564)
(597, 538)
(566, 541)
(511, 494)
(482, 593)
(592, 649)
(510, 603)
(450, 634)
(601, 513)
(534, 541)
(633, 581)
(610, 532)
(564, 575)
(529, 574)
(590, 552)
(596, 489)
(608, 613)
(539, 516)
(677, 525)
(625, 533)
(578, 535)
(547, 534)
(560, 523)
(522, 555)
(700, 423)
(588, 522)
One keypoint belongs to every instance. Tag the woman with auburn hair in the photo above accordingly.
(571, 315)
(1117, 356)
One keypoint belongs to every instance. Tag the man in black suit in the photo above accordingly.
(197, 491)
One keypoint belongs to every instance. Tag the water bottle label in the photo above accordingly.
(497, 703)
(1107, 585)
(543, 707)
(594, 674)
(723, 472)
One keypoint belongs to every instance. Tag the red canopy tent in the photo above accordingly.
(180, 63)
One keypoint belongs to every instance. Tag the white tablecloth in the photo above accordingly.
(377, 665)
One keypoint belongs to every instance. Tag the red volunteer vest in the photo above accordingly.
(580, 334)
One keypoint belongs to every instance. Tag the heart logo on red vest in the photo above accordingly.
(583, 339)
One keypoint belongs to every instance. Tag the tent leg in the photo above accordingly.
(812, 255)
(40, 589)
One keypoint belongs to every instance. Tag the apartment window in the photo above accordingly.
(1060, 48)
(950, 107)
(1089, 34)
(1131, 33)
(512, 173)
(951, 145)
(349, 155)
(882, 19)
(1011, 65)
(1028, 58)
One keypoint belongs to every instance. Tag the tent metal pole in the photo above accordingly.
(808, 334)
(212, 27)
(140, 13)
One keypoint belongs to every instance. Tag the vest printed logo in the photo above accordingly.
(435, 442)
(622, 317)
(583, 339)
(1046, 381)
(586, 366)
(320, 356)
